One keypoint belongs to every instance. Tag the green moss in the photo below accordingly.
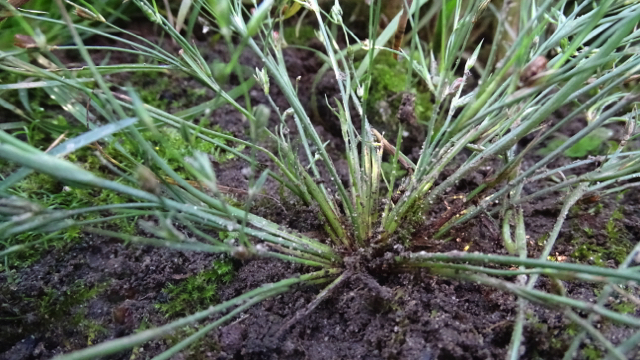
(165, 91)
(55, 306)
(387, 170)
(596, 209)
(195, 92)
(55, 32)
(555, 343)
(542, 239)
(51, 194)
(424, 106)
(151, 95)
(572, 330)
(534, 322)
(90, 329)
(200, 350)
(589, 252)
(179, 149)
(617, 246)
(196, 292)
(593, 144)
(47, 115)
(618, 214)
(625, 307)
(591, 353)
(30, 255)
(36, 97)
(388, 80)
(69, 304)
(57, 303)
(301, 37)
(228, 237)
(597, 291)
(54, 195)
(172, 147)
(414, 220)
(150, 87)
(388, 76)
(6, 168)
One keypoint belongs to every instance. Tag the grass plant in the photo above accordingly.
(590, 60)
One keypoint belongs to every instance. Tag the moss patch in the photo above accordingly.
(616, 247)
(593, 144)
(302, 36)
(56, 304)
(591, 353)
(196, 292)
(51, 194)
(388, 80)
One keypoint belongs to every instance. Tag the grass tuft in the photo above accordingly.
(492, 111)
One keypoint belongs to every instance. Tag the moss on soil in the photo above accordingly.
(300, 36)
(616, 247)
(388, 80)
(55, 304)
(196, 292)
(54, 195)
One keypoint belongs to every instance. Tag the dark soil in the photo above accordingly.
(374, 315)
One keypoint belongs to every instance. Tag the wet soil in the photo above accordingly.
(398, 315)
